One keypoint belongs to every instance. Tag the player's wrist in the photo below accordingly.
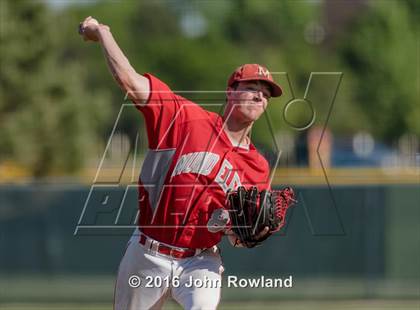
(103, 27)
(103, 30)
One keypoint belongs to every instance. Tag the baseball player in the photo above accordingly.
(195, 158)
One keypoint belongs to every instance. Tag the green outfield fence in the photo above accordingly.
(340, 242)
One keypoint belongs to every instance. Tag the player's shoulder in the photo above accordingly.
(259, 157)
(189, 110)
(263, 160)
(196, 113)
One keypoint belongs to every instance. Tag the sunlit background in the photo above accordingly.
(345, 134)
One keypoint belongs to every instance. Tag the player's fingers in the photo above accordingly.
(87, 19)
(263, 232)
(90, 19)
(266, 229)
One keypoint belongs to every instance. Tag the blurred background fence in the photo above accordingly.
(366, 240)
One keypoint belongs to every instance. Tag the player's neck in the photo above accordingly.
(238, 132)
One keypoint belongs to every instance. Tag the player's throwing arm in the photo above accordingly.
(134, 84)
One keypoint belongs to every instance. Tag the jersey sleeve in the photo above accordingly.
(163, 112)
(266, 175)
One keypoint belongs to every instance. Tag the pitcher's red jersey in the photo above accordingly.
(190, 166)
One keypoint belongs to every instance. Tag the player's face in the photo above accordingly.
(249, 100)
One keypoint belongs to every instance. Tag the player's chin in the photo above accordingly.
(251, 116)
(253, 113)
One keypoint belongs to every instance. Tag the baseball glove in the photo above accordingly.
(251, 211)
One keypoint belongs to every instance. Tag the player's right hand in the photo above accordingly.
(89, 29)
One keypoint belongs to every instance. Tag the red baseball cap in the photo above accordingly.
(252, 72)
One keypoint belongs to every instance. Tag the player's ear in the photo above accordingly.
(229, 91)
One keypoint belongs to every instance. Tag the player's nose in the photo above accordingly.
(258, 95)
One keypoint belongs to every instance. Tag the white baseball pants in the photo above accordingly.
(147, 278)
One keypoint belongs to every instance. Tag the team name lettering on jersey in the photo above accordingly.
(197, 162)
(203, 163)
(224, 178)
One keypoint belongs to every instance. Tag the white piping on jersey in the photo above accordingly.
(236, 144)
(162, 150)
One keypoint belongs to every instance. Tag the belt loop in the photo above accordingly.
(154, 246)
(148, 243)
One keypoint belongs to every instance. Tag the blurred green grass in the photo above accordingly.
(89, 289)
(95, 293)
(284, 305)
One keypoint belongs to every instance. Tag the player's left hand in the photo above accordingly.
(263, 233)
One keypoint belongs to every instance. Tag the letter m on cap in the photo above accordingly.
(262, 71)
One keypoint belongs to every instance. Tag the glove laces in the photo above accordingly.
(284, 200)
